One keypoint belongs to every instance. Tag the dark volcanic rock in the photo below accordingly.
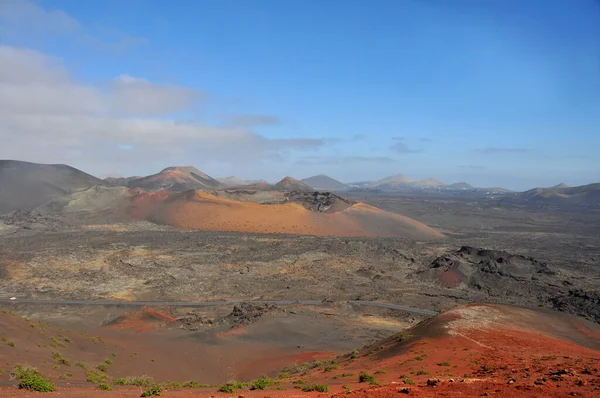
(493, 275)
(247, 313)
(325, 202)
(579, 302)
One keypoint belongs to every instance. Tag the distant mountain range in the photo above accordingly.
(325, 183)
(28, 185)
(562, 193)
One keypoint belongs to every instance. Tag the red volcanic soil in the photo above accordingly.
(470, 351)
(198, 210)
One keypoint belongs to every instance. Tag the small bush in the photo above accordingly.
(365, 377)
(105, 387)
(93, 376)
(153, 391)
(419, 358)
(422, 372)
(68, 340)
(172, 385)
(142, 381)
(381, 372)
(114, 354)
(316, 387)
(102, 367)
(194, 384)
(343, 375)
(80, 364)
(11, 343)
(232, 387)
(261, 384)
(299, 381)
(108, 361)
(330, 367)
(444, 364)
(31, 379)
(407, 380)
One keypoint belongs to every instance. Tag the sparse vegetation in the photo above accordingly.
(232, 386)
(195, 384)
(32, 379)
(95, 377)
(102, 367)
(80, 364)
(104, 386)
(153, 391)
(406, 379)
(330, 367)
(142, 381)
(60, 359)
(380, 372)
(422, 372)
(316, 387)
(444, 364)
(419, 358)
(11, 343)
(108, 361)
(342, 375)
(261, 384)
(365, 377)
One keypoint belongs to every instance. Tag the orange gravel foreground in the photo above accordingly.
(198, 210)
(470, 351)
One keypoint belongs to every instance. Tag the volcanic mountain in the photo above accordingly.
(395, 180)
(120, 181)
(290, 184)
(176, 179)
(296, 212)
(232, 181)
(322, 182)
(25, 185)
(585, 194)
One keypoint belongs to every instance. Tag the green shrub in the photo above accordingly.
(316, 387)
(422, 372)
(108, 361)
(80, 364)
(102, 367)
(330, 367)
(105, 387)
(172, 385)
(93, 376)
(31, 379)
(261, 384)
(153, 391)
(381, 372)
(444, 364)
(142, 381)
(194, 384)
(348, 374)
(232, 386)
(365, 377)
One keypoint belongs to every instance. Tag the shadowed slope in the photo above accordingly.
(26, 185)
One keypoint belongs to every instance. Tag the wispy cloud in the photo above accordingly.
(47, 116)
(337, 160)
(496, 150)
(250, 120)
(473, 167)
(21, 19)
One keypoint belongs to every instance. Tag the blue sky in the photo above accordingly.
(489, 92)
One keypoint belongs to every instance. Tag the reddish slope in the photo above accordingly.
(197, 210)
(482, 350)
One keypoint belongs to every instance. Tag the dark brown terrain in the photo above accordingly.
(93, 244)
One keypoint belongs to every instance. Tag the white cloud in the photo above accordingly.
(50, 117)
(22, 20)
(23, 14)
(139, 96)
